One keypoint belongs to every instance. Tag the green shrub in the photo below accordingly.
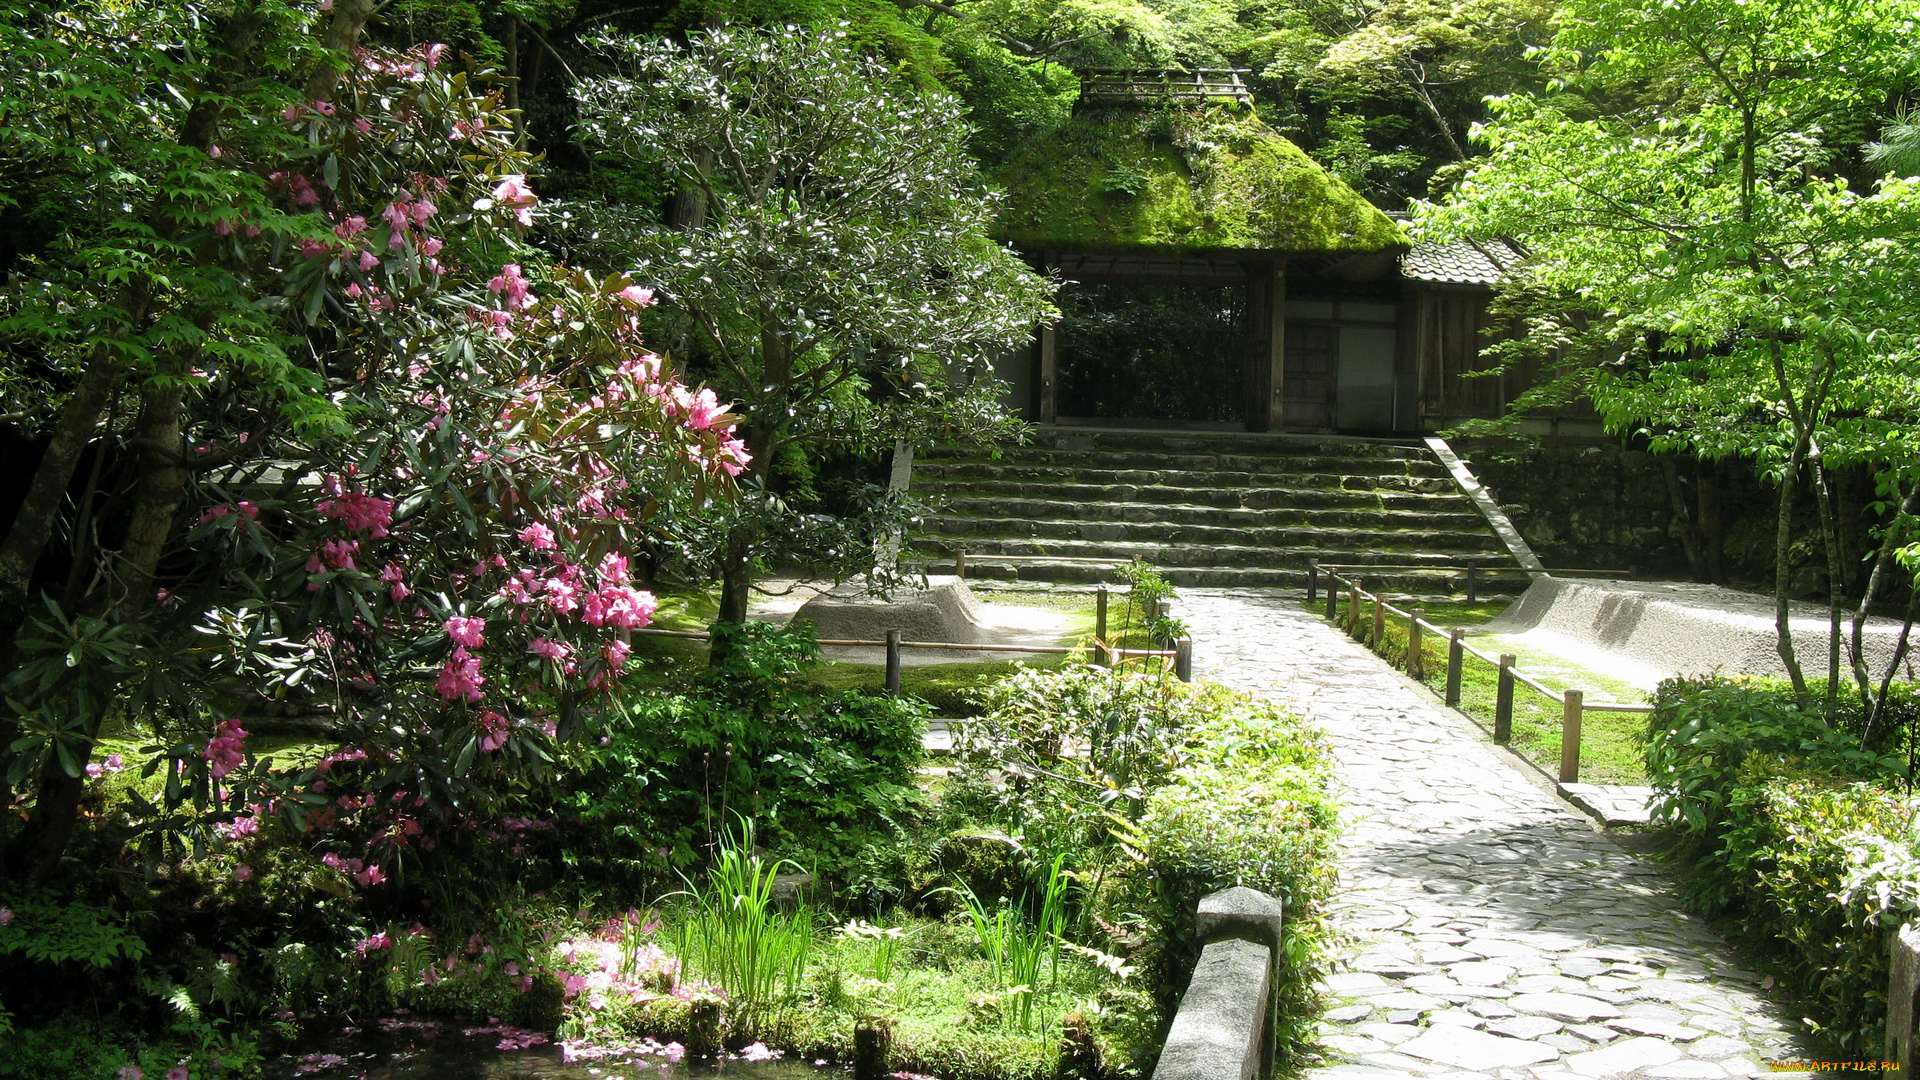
(1702, 730)
(823, 775)
(1252, 809)
(1794, 834)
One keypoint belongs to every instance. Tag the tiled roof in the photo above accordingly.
(1466, 262)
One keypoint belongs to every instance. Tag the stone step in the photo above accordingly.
(1251, 498)
(1140, 459)
(980, 472)
(1106, 530)
(1405, 583)
(1268, 445)
(1360, 514)
(1184, 554)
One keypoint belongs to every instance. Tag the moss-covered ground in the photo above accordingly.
(1610, 742)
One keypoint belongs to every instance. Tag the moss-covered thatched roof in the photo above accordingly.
(1132, 178)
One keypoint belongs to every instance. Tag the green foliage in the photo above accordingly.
(46, 930)
(1699, 737)
(1010, 103)
(1794, 835)
(1157, 792)
(734, 937)
(823, 775)
(1206, 177)
(1017, 944)
(1252, 807)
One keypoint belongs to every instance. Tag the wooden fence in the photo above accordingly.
(1372, 630)
(1119, 86)
(1180, 657)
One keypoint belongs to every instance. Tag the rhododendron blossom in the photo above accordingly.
(467, 631)
(224, 751)
(460, 678)
(514, 194)
(538, 537)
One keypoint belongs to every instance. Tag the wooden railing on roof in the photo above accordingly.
(1119, 86)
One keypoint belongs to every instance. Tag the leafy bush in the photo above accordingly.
(1702, 730)
(823, 775)
(1157, 792)
(1251, 808)
(1794, 834)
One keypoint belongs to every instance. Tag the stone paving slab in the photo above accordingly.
(1494, 931)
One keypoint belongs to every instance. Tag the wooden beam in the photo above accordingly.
(1046, 394)
(1276, 419)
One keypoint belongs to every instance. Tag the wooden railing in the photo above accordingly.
(1118, 86)
(1179, 658)
(1372, 630)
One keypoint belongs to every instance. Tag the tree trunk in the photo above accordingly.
(33, 522)
(1836, 586)
(736, 571)
(1683, 521)
(1783, 571)
(1890, 541)
(1708, 476)
(163, 476)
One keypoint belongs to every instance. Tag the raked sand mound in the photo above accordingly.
(1680, 628)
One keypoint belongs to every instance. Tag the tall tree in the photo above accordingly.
(1697, 250)
(838, 279)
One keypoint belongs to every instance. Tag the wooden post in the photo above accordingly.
(893, 663)
(960, 564)
(1353, 607)
(1047, 401)
(1183, 659)
(1503, 701)
(1456, 656)
(1379, 621)
(1473, 584)
(1333, 597)
(1313, 580)
(872, 1046)
(1100, 614)
(1572, 703)
(1416, 664)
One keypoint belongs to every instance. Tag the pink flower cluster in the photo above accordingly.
(361, 872)
(244, 511)
(362, 513)
(113, 764)
(226, 749)
(514, 194)
(494, 729)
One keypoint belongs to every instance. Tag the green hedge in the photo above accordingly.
(1796, 837)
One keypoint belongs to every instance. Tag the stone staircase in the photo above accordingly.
(1206, 509)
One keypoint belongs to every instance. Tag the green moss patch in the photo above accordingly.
(1214, 177)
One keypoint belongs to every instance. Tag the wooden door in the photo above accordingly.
(1311, 351)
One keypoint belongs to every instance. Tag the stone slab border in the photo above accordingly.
(1483, 501)
(1223, 1029)
(1903, 998)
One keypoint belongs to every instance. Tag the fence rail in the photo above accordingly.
(1573, 703)
(1179, 657)
(1156, 84)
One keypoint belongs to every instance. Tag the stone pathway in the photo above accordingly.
(1496, 933)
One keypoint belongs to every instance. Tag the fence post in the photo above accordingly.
(1100, 614)
(1473, 584)
(960, 564)
(1456, 656)
(1574, 702)
(893, 663)
(1503, 701)
(1183, 659)
(1333, 596)
(1379, 621)
(1416, 664)
(1353, 606)
(1313, 580)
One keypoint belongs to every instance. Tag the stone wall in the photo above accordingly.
(1583, 505)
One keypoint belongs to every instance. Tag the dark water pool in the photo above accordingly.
(418, 1048)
